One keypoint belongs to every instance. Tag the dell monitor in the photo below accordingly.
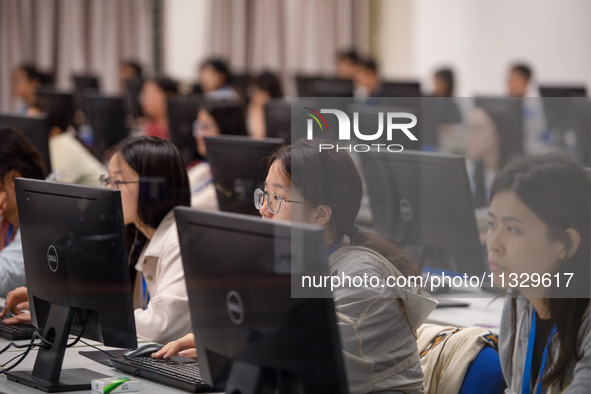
(182, 112)
(507, 114)
(60, 99)
(557, 107)
(401, 89)
(278, 119)
(239, 167)
(84, 84)
(252, 336)
(35, 128)
(106, 117)
(317, 86)
(77, 275)
(423, 201)
(133, 89)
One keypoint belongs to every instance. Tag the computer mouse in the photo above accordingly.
(144, 351)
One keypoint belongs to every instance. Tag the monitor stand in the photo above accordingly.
(47, 374)
(246, 378)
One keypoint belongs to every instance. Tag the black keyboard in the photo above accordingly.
(176, 372)
(18, 331)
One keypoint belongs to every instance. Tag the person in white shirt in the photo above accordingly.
(151, 175)
(71, 161)
(216, 118)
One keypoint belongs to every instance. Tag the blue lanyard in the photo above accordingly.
(199, 188)
(332, 247)
(525, 385)
(145, 294)
(9, 233)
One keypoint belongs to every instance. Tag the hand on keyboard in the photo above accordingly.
(184, 347)
(16, 301)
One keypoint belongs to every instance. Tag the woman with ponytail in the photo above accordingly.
(377, 321)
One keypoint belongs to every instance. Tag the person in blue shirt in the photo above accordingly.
(18, 158)
(538, 245)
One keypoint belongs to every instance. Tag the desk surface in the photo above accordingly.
(482, 312)
(72, 359)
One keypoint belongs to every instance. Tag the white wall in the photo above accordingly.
(185, 37)
(480, 38)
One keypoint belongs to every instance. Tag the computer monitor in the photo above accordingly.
(369, 119)
(278, 119)
(106, 117)
(133, 88)
(563, 91)
(401, 89)
(239, 167)
(63, 100)
(318, 86)
(252, 336)
(423, 201)
(581, 110)
(77, 274)
(84, 84)
(507, 113)
(35, 128)
(182, 113)
(557, 108)
(241, 83)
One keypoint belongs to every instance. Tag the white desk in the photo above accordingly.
(72, 359)
(482, 312)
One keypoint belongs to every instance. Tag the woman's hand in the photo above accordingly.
(184, 347)
(16, 301)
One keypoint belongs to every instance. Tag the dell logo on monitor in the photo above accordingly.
(235, 307)
(52, 259)
(405, 210)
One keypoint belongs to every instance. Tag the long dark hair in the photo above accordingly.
(559, 193)
(331, 178)
(164, 183)
(18, 153)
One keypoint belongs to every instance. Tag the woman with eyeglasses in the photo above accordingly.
(216, 118)
(377, 324)
(538, 244)
(150, 174)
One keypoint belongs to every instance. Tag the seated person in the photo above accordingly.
(215, 80)
(441, 115)
(137, 168)
(489, 146)
(71, 161)
(225, 118)
(539, 223)
(346, 63)
(128, 69)
(26, 79)
(367, 81)
(153, 96)
(263, 88)
(18, 158)
(377, 325)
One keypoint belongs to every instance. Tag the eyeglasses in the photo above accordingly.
(108, 181)
(273, 201)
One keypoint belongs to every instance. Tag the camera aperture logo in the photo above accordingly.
(395, 123)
